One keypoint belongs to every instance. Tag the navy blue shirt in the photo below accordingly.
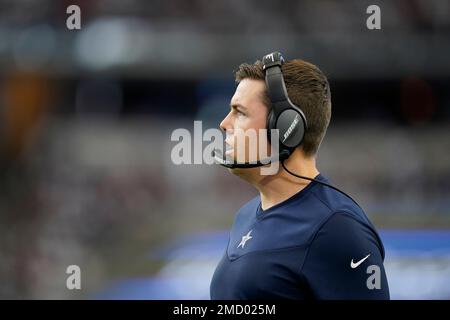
(318, 244)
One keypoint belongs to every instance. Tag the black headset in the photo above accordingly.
(285, 117)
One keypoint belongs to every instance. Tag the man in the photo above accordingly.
(301, 238)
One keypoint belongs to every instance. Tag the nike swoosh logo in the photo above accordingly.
(354, 265)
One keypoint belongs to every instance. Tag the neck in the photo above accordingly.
(280, 187)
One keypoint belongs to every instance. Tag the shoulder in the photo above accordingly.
(340, 206)
(345, 219)
(346, 231)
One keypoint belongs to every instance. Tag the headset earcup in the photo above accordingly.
(291, 125)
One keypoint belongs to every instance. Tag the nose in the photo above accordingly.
(226, 123)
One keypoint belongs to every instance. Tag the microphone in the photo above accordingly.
(220, 159)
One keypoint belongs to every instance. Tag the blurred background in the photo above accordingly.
(86, 118)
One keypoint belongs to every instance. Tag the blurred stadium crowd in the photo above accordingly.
(86, 117)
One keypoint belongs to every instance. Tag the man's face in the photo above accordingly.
(247, 113)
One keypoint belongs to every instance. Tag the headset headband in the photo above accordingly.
(275, 82)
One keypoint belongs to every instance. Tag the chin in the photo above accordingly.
(248, 174)
(238, 171)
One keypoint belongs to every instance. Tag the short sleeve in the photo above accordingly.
(345, 261)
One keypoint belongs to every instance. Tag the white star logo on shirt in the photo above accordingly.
(245, 239)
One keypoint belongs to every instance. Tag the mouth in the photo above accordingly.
(229, 149)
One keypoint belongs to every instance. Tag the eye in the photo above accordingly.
(240, 113)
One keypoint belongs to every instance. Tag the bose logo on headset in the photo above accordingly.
(291, 127)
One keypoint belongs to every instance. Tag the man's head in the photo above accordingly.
(307, 88)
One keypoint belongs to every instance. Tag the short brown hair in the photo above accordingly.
(307, 88)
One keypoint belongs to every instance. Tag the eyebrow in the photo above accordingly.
(237, 106)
